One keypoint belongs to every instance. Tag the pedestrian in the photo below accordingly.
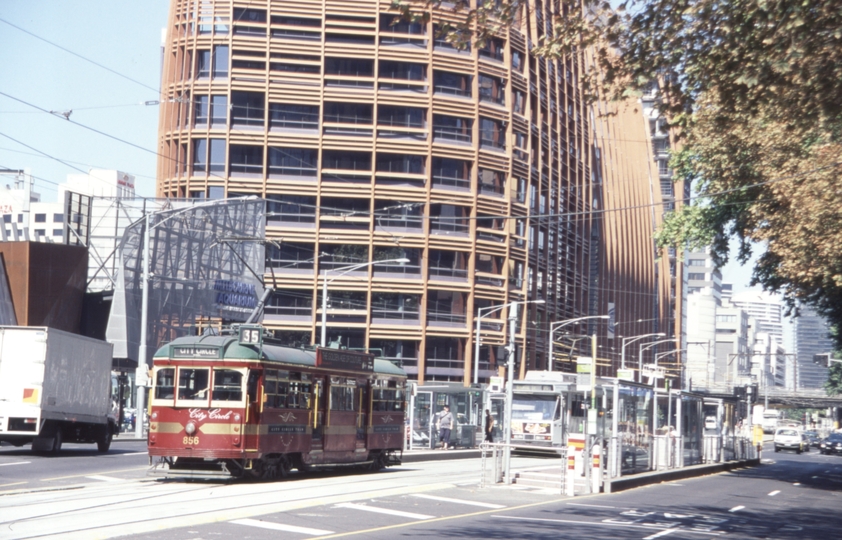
(445, 425)
(489, 426)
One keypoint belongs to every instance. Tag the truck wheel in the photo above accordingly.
(103, 441)
(56, 441)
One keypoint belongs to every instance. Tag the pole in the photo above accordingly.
(593, 372)
(507, 431)
(144, 322)
(476, 347)
(324, 311)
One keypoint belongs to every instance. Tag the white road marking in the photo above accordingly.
(662, 533)
(102, 478)
(134, 454)
(736, 509)
(629, 525)
(774, 493)
(590, 505)
(388, 511)
(280, 527)
(15, 463)
(458, 501)
(797, 484)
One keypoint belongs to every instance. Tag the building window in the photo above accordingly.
(492, 89)
(58, 232)
(403, 70)
(283, 115)
(447, 82)
(203, 64)
(220, 61)
(348, 113)
(249, 15)
(246, 159)
(40, 218)
(452, 128)
(296, 209)
(7, 218)
(293, 161)
(494, 49)
(252, 60)
(400, 163)
(247, 109)
(353, 161)
(219, 111)
(352, 67)
(451, 173)
(396, 24)
(302, 28)
(697, 262)
(40, 232)
(392, 115)
(696, 276)
(726, 318)
(58, 218)
(492, 133)
(201, 109)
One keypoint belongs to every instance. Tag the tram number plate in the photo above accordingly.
(190, 441)
(250, 335)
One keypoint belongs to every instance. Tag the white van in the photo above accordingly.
(787, 438)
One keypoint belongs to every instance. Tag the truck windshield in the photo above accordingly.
(534, 408)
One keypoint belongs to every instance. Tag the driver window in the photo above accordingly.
(193, 384)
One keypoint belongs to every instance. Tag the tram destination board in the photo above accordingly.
(339, 359)
(194, 351)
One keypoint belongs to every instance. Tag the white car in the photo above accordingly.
(787, 438)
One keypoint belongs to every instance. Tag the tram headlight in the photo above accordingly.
(237, 417)
(190, 428)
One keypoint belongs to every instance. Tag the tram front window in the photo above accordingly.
(535, 408)
(227, 385)
(165, 383)
(193, 384)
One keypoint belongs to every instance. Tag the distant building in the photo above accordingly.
(727, 290)
(765, 308)
(702, 274)
(812, 336)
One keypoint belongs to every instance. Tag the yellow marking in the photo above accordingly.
(219, 429)
(166, 427)
(92, 473)
(13, 484)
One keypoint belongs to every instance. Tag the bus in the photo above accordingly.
(229, 406)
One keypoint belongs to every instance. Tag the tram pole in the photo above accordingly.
(140, 373)
(507, 431)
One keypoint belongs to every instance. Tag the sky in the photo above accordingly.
(124, 37)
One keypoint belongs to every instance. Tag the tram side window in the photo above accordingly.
(341, 398)
(299, 395)
(165, 383)
(387, 400)
(193, 384)
(227, 385)
(285, 390)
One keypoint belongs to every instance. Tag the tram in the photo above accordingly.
(234, 406)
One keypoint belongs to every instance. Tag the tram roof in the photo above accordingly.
(231, 349)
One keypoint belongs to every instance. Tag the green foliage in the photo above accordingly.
(833, 386)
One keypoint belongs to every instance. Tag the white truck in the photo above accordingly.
(55, 387)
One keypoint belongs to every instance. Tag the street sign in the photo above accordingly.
(653, 371)
(625, 374)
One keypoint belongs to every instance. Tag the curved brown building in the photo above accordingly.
(375, 139)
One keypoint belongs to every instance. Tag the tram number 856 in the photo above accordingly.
(190, 440)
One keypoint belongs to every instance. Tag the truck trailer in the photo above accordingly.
(55, 387)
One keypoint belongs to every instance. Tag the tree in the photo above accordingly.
(833, 386)
(753, 90)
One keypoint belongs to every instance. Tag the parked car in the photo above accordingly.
(813, 437)
(788, 439)
(832, 444)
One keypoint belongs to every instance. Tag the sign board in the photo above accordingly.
(251, 335)
(584, 364)
(195, 351)
(495, 384)
(625, 374)
(343, 359)
(583, 382)
(653, 371)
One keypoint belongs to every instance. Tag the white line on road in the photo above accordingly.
(774, 493)
(736, 509)
(383, 511)
(458, 501)
(604, 524)
(279, 527)
(15, 463)
(134, 454)
(104, 478)
(660, 534)
(590, 505)
(797, 484)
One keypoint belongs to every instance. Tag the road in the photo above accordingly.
(789, 496)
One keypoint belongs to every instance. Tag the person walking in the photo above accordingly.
(489, 426)
(445, 425)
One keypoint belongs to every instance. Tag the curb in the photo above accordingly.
(638, 480)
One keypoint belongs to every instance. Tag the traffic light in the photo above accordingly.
(822, 359)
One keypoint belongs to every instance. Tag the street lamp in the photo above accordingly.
(555, 326)
(341, 272)
(632, 339)
(640, 359)
(489, 310)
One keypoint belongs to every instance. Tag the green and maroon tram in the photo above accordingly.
(228, 407)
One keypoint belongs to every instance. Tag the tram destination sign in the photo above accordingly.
(194, 351)
(341, 359)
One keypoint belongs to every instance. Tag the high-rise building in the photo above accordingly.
(765, 308)
(375, 139)
(812, 336)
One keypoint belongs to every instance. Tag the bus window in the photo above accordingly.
(193, 384)
(227, 385)
(165, 383)
(534, 408)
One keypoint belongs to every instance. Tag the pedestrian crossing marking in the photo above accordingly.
(458, 501)
(279, 527)
(387, 511)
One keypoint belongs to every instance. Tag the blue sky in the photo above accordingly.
(123, 36)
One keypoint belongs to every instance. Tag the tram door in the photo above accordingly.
(319, 405)
(252, 416)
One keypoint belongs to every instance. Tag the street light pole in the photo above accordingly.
(555, 326)
(477, 340)
(342, 271)
(632, 339)
(640, 358)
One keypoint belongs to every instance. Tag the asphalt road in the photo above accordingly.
(789, 496)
